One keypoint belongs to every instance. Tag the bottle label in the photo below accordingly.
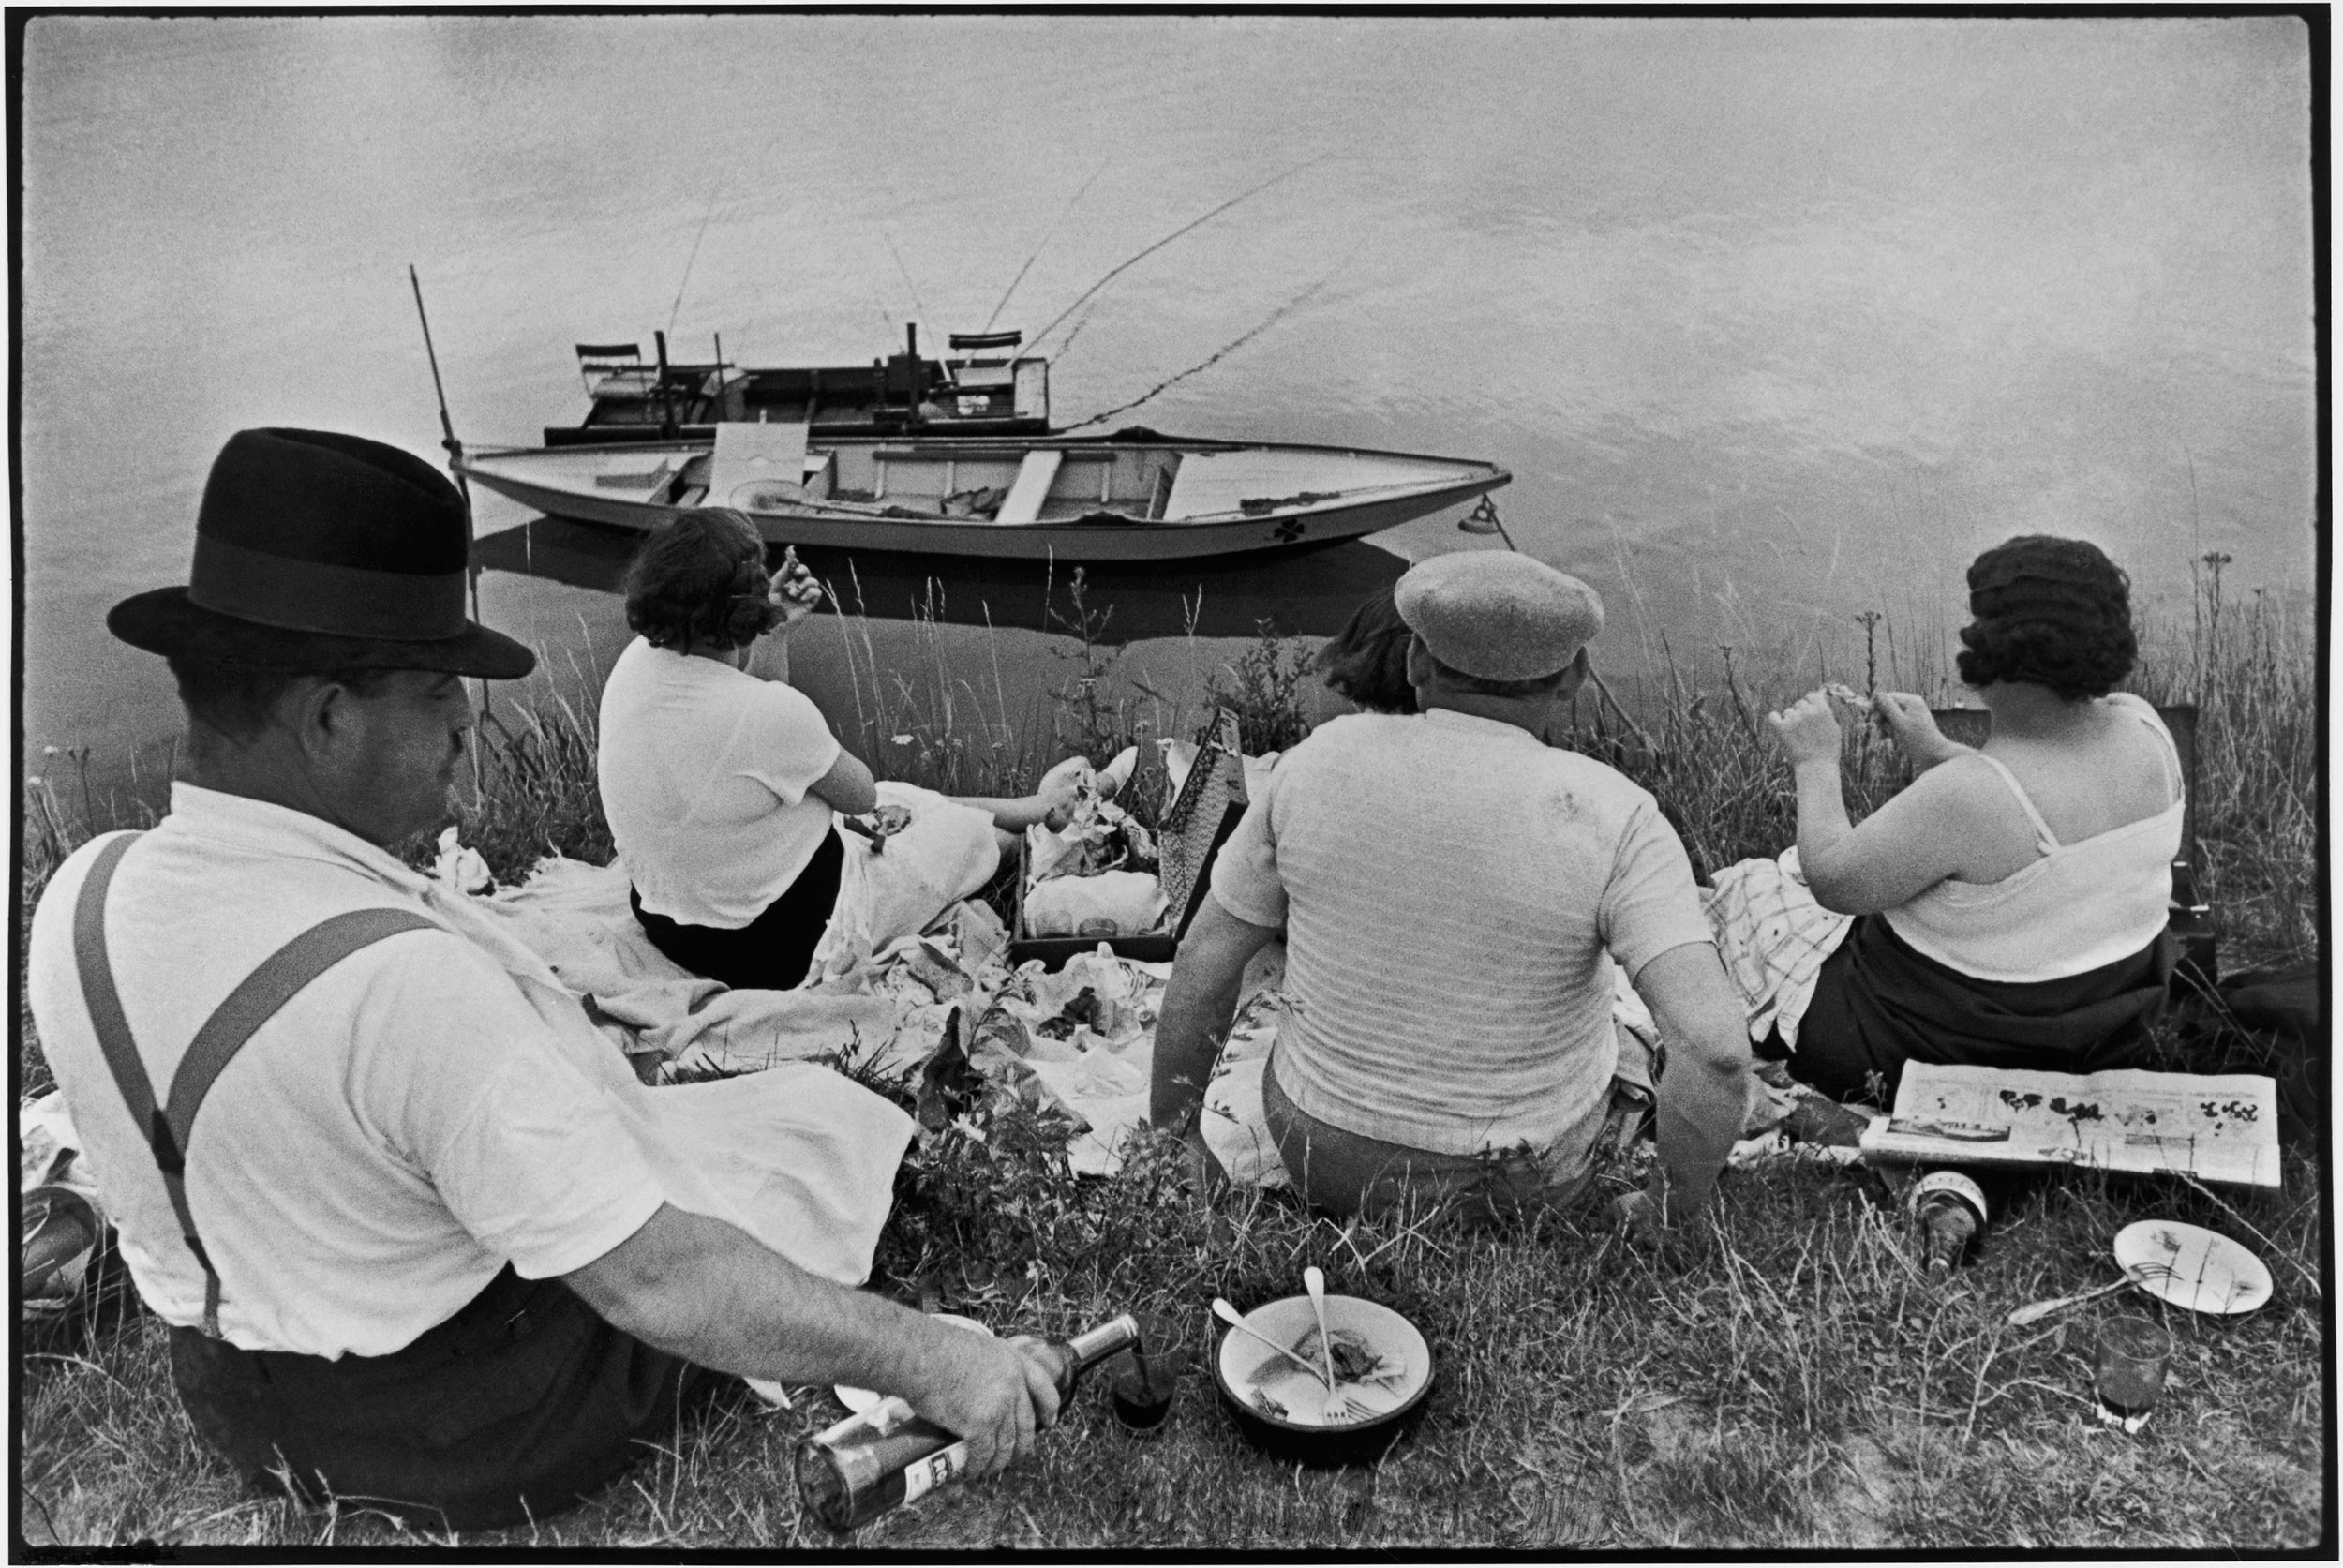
(923, 1476)
(1951, 1182)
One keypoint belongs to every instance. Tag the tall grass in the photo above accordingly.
(2251, 668)
(1797, 1387)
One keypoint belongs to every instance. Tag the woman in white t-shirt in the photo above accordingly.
(722, 783)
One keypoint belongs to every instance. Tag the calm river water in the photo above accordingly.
(1774, 321)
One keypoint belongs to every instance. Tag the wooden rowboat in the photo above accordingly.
(1134, 495)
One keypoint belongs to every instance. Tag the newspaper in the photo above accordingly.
(2218, 1130)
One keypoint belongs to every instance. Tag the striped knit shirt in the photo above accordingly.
(1454, 892)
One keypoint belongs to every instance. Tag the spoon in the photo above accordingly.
(1339, 1407)
(1314, 1281)
(1228, 1315)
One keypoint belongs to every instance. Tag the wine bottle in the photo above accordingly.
(1950, 1209)
(850, 1473)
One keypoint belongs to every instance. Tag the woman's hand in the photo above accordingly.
(1059, 795)
(1908, 722)
(793, 592)
(1807, 729)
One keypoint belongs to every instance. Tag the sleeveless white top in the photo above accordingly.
(2079, 907)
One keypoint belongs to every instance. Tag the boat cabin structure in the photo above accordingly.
(982, 386)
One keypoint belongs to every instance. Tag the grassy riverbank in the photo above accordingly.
(1796, 1385)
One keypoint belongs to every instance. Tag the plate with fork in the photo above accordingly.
(1272, 1368)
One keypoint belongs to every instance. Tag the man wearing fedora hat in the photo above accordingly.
(1454, 893)
(410, 1253)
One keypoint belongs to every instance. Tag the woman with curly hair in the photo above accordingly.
(1367, 661)
(723, 784)
(2010, 905)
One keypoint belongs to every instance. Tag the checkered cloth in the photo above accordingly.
(1773, 937)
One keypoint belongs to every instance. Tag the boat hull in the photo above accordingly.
(563, 485)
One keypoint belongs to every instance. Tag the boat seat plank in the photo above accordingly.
(1031, 487)
(752, 459)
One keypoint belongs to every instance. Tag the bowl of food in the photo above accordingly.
(1270, 1372)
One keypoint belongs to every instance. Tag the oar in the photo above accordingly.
(1235, 1320)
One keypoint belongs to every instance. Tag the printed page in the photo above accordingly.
(2218, 1129)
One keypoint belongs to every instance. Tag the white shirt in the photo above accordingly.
(400, 1129)
(1449, 886)
(2081, 907)
(704, 772)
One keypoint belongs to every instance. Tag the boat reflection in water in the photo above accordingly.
(1306, 593)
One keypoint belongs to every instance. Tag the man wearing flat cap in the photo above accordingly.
(1453, 894)
(410, 1250)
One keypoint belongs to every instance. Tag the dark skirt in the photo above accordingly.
(772, 952)
(519, 1406)
(1879, 1004)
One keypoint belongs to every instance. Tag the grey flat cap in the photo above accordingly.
(1498, 614)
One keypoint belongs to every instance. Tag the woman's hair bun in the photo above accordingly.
(698, 581)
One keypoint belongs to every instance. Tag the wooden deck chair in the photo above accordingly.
(2191, 918)
(614, 370)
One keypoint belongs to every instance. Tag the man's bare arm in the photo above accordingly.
(711, 1293)
(1198, 1005)
(1704, 1093)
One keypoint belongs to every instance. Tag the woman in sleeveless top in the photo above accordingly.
(2010, 905)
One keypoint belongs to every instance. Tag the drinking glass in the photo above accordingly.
(2132, 1356)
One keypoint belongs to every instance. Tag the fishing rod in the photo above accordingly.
(1185, 227)
(1223, 352)
(919, 311)
(463, 486)
(706, 219)
(1045, 242)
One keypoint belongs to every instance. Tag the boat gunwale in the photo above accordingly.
(1492, 476)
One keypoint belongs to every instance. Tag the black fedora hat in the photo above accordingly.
(316, 551)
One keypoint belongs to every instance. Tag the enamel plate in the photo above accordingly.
(2190, 1266)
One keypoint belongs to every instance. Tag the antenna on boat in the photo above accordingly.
(463, 486)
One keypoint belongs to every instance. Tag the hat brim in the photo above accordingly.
(167, 622)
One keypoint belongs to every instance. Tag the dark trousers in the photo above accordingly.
(517, 1406)
(772, 952)
(1879, 1004)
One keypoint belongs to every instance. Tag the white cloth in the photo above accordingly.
(1773, 937)
(2081, 907)
(1129, 901)
(429, 1109)
(946, 854)
(1451, 887)
(703, 771)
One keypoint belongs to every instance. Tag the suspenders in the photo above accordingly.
(277, 981)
